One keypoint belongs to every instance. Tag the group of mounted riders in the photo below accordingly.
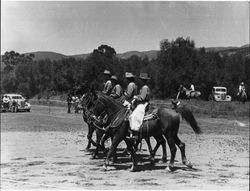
(121, 115)
(131, 95)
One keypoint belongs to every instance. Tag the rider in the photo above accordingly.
(241, 88)
(136, 118)
(107, 85)
(117, 89)
(180, 91)
(69, 102)
(131, 88)
(6, 102)
(191, 87)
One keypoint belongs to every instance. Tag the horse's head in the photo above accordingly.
(105, 104)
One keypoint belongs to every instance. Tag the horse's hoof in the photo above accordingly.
(87, 149)
(188, 164)
(152, 160)
(105, 167)
(170, 168)
(133, 169)
(114, 161)
(93, 157)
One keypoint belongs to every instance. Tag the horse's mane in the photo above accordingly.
(110, 101)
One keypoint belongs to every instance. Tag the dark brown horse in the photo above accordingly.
(166, 124)
(102, 136)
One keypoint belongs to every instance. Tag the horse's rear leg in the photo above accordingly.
(181, 146)
(171, 143)
(161, 141)
(151, 158)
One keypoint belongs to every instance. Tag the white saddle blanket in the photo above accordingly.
(136, 118)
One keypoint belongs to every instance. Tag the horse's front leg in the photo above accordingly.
(99, 135)
(132, 153)
(104, 138)
(89, 136)
(115, 143)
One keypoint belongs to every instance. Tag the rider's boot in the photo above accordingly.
(134, 136)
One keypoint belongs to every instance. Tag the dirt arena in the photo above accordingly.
(44, 149)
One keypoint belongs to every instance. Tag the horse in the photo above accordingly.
(85, 104)
(242, 96)
(165, 125)
(101, 137)
(189, 94)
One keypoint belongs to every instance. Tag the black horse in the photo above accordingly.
(102, 135)
(242, 96)
(166, 124)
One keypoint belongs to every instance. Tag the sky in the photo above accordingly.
(76, 27)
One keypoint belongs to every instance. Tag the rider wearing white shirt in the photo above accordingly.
(241, 88)
(136, 118)
(192, 87)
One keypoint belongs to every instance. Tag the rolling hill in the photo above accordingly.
(152, 54)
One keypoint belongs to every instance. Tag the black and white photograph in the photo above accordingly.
(125, 95)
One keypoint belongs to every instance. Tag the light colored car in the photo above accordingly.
(220, 94)
(18, 103)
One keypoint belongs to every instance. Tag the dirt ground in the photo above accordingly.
(44, 149)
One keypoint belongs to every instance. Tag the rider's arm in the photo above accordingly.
(143, 94)
(114, 92)
(129, 91)
(107, 87)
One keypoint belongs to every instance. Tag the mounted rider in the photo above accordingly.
(181, 91)
(136, 118)
(116, 92)
(191, 88)
(241, 88)
(131, 90)
(108, 84)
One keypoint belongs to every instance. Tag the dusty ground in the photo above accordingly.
(45, 149)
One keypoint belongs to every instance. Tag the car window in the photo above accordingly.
(16, 97)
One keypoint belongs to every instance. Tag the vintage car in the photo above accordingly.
(17, 103)
(219, 94)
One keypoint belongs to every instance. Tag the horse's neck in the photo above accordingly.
(111, 107)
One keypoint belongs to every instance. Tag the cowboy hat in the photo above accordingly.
(144, 76)
(129, 75)
(114, 78)
(107, 72)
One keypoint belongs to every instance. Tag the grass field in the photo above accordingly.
(212, 108)
(44, 149)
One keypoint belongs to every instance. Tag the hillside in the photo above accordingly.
(41, 55)
(152, 54)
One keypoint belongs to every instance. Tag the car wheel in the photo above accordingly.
(28, 110)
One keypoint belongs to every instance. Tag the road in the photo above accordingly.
(44, 149)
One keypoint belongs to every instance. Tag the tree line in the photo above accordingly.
(178, 62)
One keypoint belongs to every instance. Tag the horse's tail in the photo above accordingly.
(189, 117)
